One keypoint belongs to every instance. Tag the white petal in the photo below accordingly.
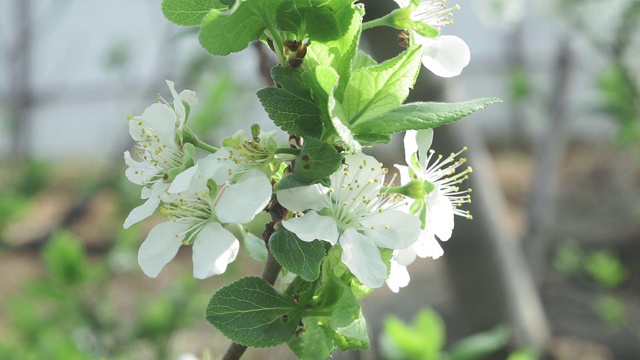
(158, 117)
(160, 246)
(445, 55)
(241, 201)
(402, 3)
(361, 170)
(404, 173)
(312, 226)
(363, 259)
(405, 257)
(139, 172)
(213, 249)
(178, 106)
(424, 138)
(410, 145)
(142, 212)
(146, 192)
(182, 182)
(302, 198)
(217, 166)
(392, 229)
(398, 277)
(439, 215)
(428, 246)
(189, 97)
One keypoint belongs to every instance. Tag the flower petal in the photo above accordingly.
(312, 226)
(213, 249)
(445, 55)
(404, 173)
(427, 246)
(392, 229)
(182, 182)
(139, 172)
(189, 97)
(410, 145)
(158, 117)
(160, 246)
(241, 201)
(217, 166)
(398, 276)
(178, 106)
(302, 198)
(407, 256)
(424, 138)
(145, 210)
(439, 215)
(363, 259)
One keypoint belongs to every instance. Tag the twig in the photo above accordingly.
(269, 273)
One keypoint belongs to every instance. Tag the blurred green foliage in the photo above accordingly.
(611, 311)
(621, 101)
(70, 312)
(606, 271)
(24, 182)
(603, 267)
(425, 339)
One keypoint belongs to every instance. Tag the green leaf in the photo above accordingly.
(302, 291)
(323, 81)
(362, 60)
(290, 105)
(317, 160)
(300, 257)
(424, 339)
(313, 342)
(480, 345)
(65, 258)
(376, 90)
(255, 246)
(224, 32)
(252, 313)
(290, 16)
(326, 24)
(348, 323)
(339, 53)
(319, 20)
(417, 116)
(189, 12)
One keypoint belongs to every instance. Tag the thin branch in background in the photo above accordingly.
(551, 149)
(22, 96)
(517, 66)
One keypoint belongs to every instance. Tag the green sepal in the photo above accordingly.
(415, 189)
(252, 313)
(300, 257)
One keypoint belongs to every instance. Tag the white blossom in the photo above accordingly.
(444, 55)
(353, 213)
(438, 205)
(197, 215)
(157, 135)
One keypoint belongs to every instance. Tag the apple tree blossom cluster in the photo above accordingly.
(342, 224)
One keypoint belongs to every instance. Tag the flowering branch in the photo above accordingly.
(336, 227)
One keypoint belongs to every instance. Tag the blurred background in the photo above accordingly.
(550, 264)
